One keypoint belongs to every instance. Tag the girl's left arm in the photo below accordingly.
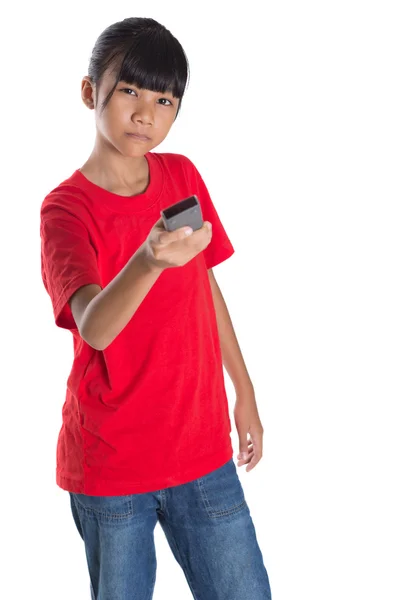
(246, 414)
(231, 353)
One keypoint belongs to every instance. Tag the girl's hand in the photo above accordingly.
(163, 249)
(247, 420)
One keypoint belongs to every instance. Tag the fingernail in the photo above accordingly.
(188, 231)
(244, 455)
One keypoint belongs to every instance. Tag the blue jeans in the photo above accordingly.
(207, 524)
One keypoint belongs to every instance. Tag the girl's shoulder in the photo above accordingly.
(174, 164)
(65, 200)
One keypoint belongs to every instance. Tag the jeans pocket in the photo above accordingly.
(105, 508)
(221, 491)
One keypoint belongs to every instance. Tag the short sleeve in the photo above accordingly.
(220, 248)
(68, 260)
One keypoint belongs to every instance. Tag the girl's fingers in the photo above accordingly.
(244, 461)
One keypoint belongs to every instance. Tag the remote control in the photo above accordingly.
(182, 213)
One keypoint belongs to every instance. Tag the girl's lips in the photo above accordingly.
(143, 138)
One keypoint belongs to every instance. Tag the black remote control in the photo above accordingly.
(182, 213)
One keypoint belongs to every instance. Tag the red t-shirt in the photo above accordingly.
(150, 411)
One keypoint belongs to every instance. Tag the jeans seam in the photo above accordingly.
(107, 515)
(218, 513)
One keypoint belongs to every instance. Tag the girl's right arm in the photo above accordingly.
(101, 314)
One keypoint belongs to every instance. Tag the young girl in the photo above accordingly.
(146, 430)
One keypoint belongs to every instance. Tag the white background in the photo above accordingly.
(289, 118)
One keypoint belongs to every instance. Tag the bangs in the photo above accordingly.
(155, 67)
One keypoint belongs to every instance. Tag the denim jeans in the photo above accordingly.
(209, 529)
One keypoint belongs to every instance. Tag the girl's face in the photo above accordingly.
(130, 110)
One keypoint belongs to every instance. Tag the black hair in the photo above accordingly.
(142, 52)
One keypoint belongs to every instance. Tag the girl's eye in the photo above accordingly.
(166, 99)
(127, 90)
(131, 90)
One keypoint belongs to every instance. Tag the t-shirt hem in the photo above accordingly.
(105, 487)
(68, 291)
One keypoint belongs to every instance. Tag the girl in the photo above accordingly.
(146, 430)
